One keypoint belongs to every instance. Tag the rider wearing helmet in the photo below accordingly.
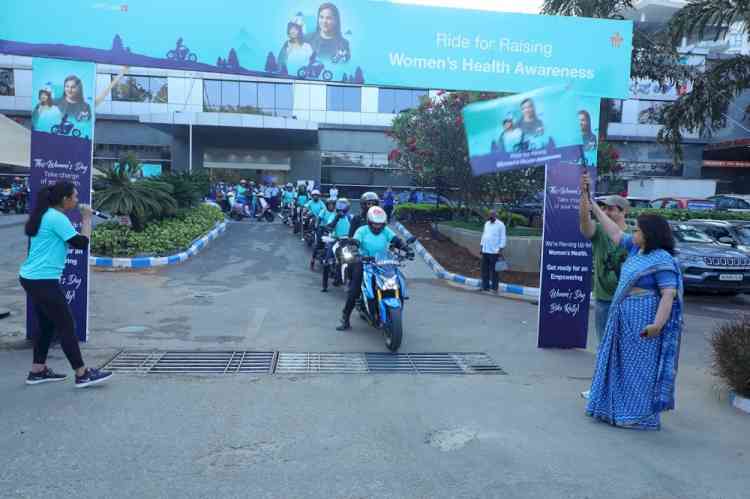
(316, 205)
(368, 200)
(325, 216)
(299, 204)
(341, 222)
(287, 197)
(374, 239)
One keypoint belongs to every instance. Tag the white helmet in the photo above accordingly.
(315, 192)
(376, 219)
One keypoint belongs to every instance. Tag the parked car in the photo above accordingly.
(735, 234)
(683, 204)
(639, 203)
(709, 266)
(732, 202)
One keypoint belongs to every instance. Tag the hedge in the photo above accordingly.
(429, 212)
(162, 238)
(685, 215)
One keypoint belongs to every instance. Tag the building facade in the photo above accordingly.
(234, 126)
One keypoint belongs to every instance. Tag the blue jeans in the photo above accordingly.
(601, 312)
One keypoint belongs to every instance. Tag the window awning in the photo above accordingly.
(246, 166)
(15, 143)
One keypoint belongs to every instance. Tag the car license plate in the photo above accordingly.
(730, 277)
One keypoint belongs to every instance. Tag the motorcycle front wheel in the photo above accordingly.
(192, 58)
(327, 75)
(393, 331)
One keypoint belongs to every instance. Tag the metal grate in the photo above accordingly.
(236, 362)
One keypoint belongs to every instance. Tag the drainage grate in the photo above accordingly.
(235, 362)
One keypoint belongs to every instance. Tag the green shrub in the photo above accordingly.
(428, 212)
(188, 189)
(685, 215)
(162, 238)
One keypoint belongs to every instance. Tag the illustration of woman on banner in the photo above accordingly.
(295, 52)
(511, 139)
(73, 102)
(531, 126)
(327, 41)
(46, 114)
(588, 139)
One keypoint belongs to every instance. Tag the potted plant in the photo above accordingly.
(731, 358)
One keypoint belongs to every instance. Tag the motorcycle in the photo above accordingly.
(315, 70)
(240, 207)
(308, 228)
(345, 253)
(8, 202)
(264, 210)
(65, 127)
(286, 215)
(383, 290)
(182, 53)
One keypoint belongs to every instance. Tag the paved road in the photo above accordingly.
(522, 435)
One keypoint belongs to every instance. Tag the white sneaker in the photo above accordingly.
(585, 394)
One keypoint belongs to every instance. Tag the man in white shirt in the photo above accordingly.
(333, 193)
(493, 242)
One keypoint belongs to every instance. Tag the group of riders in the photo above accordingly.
(339, 239)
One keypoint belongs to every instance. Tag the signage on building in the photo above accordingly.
(646, 169)
(726, 164)
(365, 42)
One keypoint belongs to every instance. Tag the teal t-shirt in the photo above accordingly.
(48, 249)
(287, 198)
(327, 217)
(302, 199)
(316, 207)
(342, 227)
(371, 244)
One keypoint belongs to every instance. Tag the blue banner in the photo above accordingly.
(532, 128)
(350, 41)
(61, 150)
(566, 269)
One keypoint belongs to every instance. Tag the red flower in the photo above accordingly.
(459, 121)
(394, 155)
(615, 154)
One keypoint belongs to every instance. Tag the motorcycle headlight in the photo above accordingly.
(390, 283)
(347, 255)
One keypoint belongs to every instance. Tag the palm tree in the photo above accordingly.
(142, 200)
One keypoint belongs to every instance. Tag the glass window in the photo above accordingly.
(379, 160)
(211, 95)
(230, 96)
(387, 101)
(352, 99)
(284, 96)
(158, 89)
(344, 98)
(267, 97)
(689, 234)
(334, 98)
(248, 97)
(615, 111)
(7, 83)
(648, 112)
(404, 100)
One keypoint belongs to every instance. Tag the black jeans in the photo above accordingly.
(489, 276)
(54, 316)
(355, 288)
(389, 212)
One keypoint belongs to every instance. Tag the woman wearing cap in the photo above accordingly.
(295, 52)
(636, 367)
(51, 234)
(46, 114)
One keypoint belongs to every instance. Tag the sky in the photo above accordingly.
(526, 6)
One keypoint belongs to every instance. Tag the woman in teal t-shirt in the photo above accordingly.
(51, 233)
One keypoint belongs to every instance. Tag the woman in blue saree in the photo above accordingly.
(636, 366)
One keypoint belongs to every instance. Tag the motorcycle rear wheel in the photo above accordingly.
(393, 331)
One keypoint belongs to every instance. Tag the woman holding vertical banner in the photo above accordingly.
(636, 366)
(51, 233)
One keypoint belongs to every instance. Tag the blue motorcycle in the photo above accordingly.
(384, 291)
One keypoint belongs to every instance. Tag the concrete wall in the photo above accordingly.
(523, 254)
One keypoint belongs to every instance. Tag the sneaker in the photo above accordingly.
(585, 394)
(92, 377)
(44, 376)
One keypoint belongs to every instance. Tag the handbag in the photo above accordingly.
(501, 265)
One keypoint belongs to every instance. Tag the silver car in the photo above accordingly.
(709, 266)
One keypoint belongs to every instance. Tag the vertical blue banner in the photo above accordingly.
(61, 150)
(565, 281)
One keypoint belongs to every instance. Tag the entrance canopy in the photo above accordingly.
(15, 143)
(237, 159)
